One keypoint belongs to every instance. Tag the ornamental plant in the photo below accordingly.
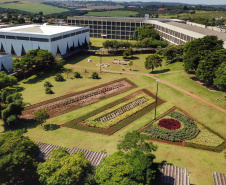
(170, 124)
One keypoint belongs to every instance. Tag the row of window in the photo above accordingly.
(43, 39)
(81, 22)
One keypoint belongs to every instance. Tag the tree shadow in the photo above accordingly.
(19, 89)
(209, 87)
(160, 71)
(78, 59)
(134, 58)
(51, 127)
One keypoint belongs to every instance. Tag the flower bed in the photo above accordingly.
(121, 122)
(170, 124)
(67, 103)
(193, 133)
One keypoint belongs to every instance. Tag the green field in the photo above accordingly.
(32, 7)
(199, 163)
(114, 13)
(200, 14)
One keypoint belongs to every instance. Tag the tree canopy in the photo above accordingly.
(63, 168)
(136, 140)
(41, 116)
(7, 81)
(220, 80)
(17, 153)
(146, 31)
(134, 167)
(198, 49)
(153, 61)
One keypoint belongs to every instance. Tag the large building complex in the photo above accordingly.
(173, 30)
(56, 39)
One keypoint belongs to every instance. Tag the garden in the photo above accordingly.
(177, 127)
(72, 101)
(116, 115)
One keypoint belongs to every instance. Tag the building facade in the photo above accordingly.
(6, 61)
(173, 30)
(56, 39)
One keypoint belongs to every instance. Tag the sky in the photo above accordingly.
(207, 2)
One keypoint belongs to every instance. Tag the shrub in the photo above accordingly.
(77, 75)
(59, 77)
(95, 75)
(48, 84)
(48, 90)
(171, 124)
(51, 127)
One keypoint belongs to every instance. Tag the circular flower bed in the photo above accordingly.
(170, 124)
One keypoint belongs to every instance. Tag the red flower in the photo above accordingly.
(170, 124)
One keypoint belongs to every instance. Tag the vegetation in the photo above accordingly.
(7, 81)
(220, 80)
(63, 168)
(51, 127)
(113, 13)
(41, 116)
(17, 157)
(47, 84)
(48, 90)
(134, 167)
(77, 75)
(136, 140)
(146, 31)
(95, 75)
(153, 61)
(33, 7)
(59, 77)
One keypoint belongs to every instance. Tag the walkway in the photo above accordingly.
(162, 81)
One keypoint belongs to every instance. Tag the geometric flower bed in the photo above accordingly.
(170, 124)
(191, 132)
(69, 102)
(116, 115)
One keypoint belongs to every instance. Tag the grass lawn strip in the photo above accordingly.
(95, 121)
(67, 103)
(75, 123)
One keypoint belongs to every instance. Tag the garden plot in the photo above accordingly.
(176, 126)
(67, 103)
(116, 115)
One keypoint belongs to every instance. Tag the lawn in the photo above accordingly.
(188, 82)
(113, 13)
(33, 7)
(199, 163)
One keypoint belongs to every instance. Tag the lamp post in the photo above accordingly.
(100, 60)
(156, 97)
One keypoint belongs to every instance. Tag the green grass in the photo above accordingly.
(32, 7)
(185, 81)
(114, 13)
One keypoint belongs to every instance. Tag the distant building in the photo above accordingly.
(56, 39)
(6, 61)
(173, 30)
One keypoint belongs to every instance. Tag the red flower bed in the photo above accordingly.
(171, 124)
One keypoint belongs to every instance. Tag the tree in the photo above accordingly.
(95, 75)
(136, 140)
(63, 168)
(220, 80)
(59, 61)
(173, 53)
(130, 64)
(77, 75)
(153, 61)
(17, 157)
(198, 49)
(146, 31)
(67, 71)
(41, 116)
(47, 84)
(206, 70)
(7, 81)
(134, 167)
(58, 77)
(127, 53)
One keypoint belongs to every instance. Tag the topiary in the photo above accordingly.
(77, 75)
(59, 77)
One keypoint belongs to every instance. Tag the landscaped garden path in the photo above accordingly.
(162, 81)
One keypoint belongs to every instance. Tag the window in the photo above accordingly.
(56, 38)
(10, 37)
(2, 36)
(66, 36)
(39, 39)
(22, 38)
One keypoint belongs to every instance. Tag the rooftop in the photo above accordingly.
(39, 29)
(204, 31)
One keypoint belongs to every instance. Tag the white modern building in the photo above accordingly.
(56, 39)
(6, 61)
